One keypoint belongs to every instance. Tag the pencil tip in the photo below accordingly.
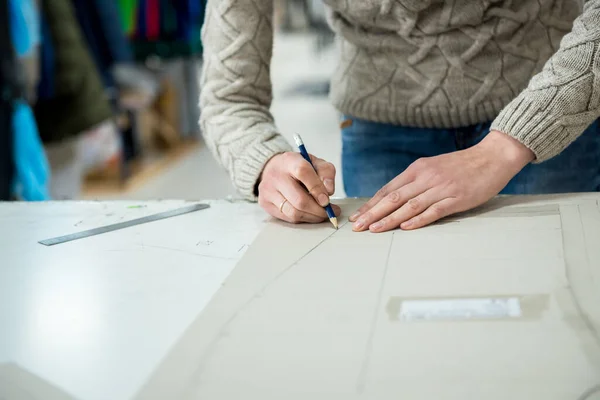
(334, 221)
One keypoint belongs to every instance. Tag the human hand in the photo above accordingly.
(292, 191)
(435, 187)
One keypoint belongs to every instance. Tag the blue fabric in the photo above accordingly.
(31, 166)
(374, 153)
(32, 170)
(24, 26)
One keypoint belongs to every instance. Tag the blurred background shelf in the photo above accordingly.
(109, 182)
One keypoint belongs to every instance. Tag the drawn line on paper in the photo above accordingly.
(297, 262)
(362, 376)
(584, 315)
(207, 354)
(588, 393)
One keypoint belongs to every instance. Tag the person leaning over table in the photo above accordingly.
(446, 104)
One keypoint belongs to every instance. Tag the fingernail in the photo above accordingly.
(359, 224)
(376, 226)
(328, 185)
(323, 199)
(406, 224)
(354, 216)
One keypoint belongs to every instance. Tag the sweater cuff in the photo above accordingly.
(541, 128)
(250, 165)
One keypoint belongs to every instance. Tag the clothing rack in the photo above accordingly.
(165, 37)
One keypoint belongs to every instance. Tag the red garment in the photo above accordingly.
(153, 19)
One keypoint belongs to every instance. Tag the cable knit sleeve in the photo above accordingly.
(236, 91)
(564, 98)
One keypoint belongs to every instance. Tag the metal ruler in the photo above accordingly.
(123, 225)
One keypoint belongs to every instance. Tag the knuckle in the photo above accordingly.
(438, 210)
(298, 170)
(394, 197)
(455, 188)
(414, 204)
(317, 189)
(303, 202)
(295, 215)
(301, 170)
(289, 156)
(420, 163)
(451, 182)
(327, 169)
(382, 192)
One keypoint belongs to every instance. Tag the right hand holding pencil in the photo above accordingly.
(292, 191)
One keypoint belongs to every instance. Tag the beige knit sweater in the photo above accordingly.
(530, 66)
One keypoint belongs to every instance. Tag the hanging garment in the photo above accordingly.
(169, 25)
(24, 26)
(31, 174)
(106, 39)
(128, 13)
(46, 86)
(163, 20)
(9, 90)
(78, 101)
(153, 19)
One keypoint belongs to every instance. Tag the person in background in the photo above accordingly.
(446, 104)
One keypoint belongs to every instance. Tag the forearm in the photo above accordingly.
(564, 99)
(236, 89)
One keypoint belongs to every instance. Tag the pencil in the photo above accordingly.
(305, 155)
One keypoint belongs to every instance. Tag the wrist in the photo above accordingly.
(260, 177)
(508, 150)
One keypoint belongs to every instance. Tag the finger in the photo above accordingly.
(410, 209)
(291, 214)
(273, 210)
(274, 203)
(326, 172)
(387, 205)
(435, 212)
(300, 199)
(304, 172)
(401, 180)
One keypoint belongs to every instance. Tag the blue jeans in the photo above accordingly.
(374, 153)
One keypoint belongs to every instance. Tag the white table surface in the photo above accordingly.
(94, 317)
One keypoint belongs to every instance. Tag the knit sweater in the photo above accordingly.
(530, 66)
